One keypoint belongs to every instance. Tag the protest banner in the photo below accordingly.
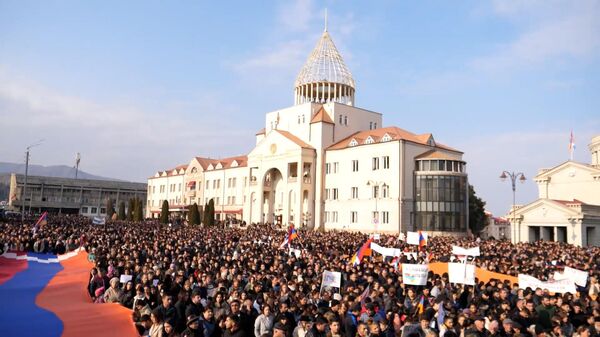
(331, 279)
(462, 273)
(415, 274)
(579, 277)
(556, 286)
(98, 220)
(385, 251)
(412, 238)
(460, 251)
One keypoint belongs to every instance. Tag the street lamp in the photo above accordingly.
(513, 179)
(25, 182)
(376, 196)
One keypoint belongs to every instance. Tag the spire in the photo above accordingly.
(325, 20)
(324, 77)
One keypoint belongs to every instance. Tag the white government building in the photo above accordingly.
(324, 162)
(568, 208)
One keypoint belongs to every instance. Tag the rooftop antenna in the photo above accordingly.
(325, 19)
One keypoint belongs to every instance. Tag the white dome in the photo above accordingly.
(325, 64)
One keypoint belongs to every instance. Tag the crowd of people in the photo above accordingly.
(231, 282)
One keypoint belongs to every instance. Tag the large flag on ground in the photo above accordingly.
(364, 250)
(42, 221)
(291, 235)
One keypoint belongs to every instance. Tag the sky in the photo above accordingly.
(141, 86)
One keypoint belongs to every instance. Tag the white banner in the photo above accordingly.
(385, 251)
(97, 220)
(415, 274)
(125, 278)
(296, 252)
(412, 238)
(557, 286)
(456, 250)
(331, 279)
(579, 277)
(463, 273)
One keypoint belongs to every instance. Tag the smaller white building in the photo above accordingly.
(568, 208)
(497, 227)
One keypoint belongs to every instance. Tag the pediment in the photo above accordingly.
(278, 142)
(568, 167)
(545, 208)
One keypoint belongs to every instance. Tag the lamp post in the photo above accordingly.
(513, 179)
(376, 196)
(25, 182)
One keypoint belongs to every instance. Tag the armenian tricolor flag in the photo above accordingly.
(291, 235)
(43, 220)
(421, 305)
(422, 240)
(364, 250)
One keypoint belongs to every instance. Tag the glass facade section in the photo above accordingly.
(440, 199)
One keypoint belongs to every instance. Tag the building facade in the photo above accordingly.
(67, 195)
(324, 162)
(568, 207)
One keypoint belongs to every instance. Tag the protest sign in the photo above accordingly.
(126, 278)
(415, 274)
(463, 273)
(331, 279)
(456, 250)
(412, 238)
(556, 286)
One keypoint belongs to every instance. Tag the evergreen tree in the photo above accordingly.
(130, 207)
(211, 212)
(200, 214)
(477, 218)
(110, 208)
(205, 221)
(122, 215)
(138, 214)
(193, 214)
(164, 212)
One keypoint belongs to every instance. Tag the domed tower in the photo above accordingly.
(324, 77)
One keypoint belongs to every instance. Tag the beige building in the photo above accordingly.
(568, 208)
(324, 162)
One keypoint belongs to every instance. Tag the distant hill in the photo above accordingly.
(59, 171)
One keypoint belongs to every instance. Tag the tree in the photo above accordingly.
(110, 208)
(164, 212)
(200, 213)
(477, 218)
(209, 214)
(138, 214)
(130, 208)
(122, 215)
(193, 214)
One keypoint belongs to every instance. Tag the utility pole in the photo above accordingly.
(23, 193)
(77, 160)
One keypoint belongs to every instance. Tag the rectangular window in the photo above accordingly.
(153, 189)
(341, 119)
(336, 166)
(354, 217)
(327, 194)
(375, 191)
(375, 217)
(94, 210)
(386, 162)
(84, 209)
(370, 125)
(355, 166)
(327, 168)
(345, 120)
(216, 200)
(335, 217)
(233, 200)
(335, 194)
(374, 125)
(233, 181)
(385, 191)
(375, 163)
(326, 216)
(179, 187)
(354, 192)
(386, 217)
(102, 210)
(207, 184)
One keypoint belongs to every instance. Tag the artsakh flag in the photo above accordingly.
(364, 250)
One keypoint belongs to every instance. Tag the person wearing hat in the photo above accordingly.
(478, 329)
(193, 328)
(319, 328)
(507, 328)
(114, 293)
(279, 330)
